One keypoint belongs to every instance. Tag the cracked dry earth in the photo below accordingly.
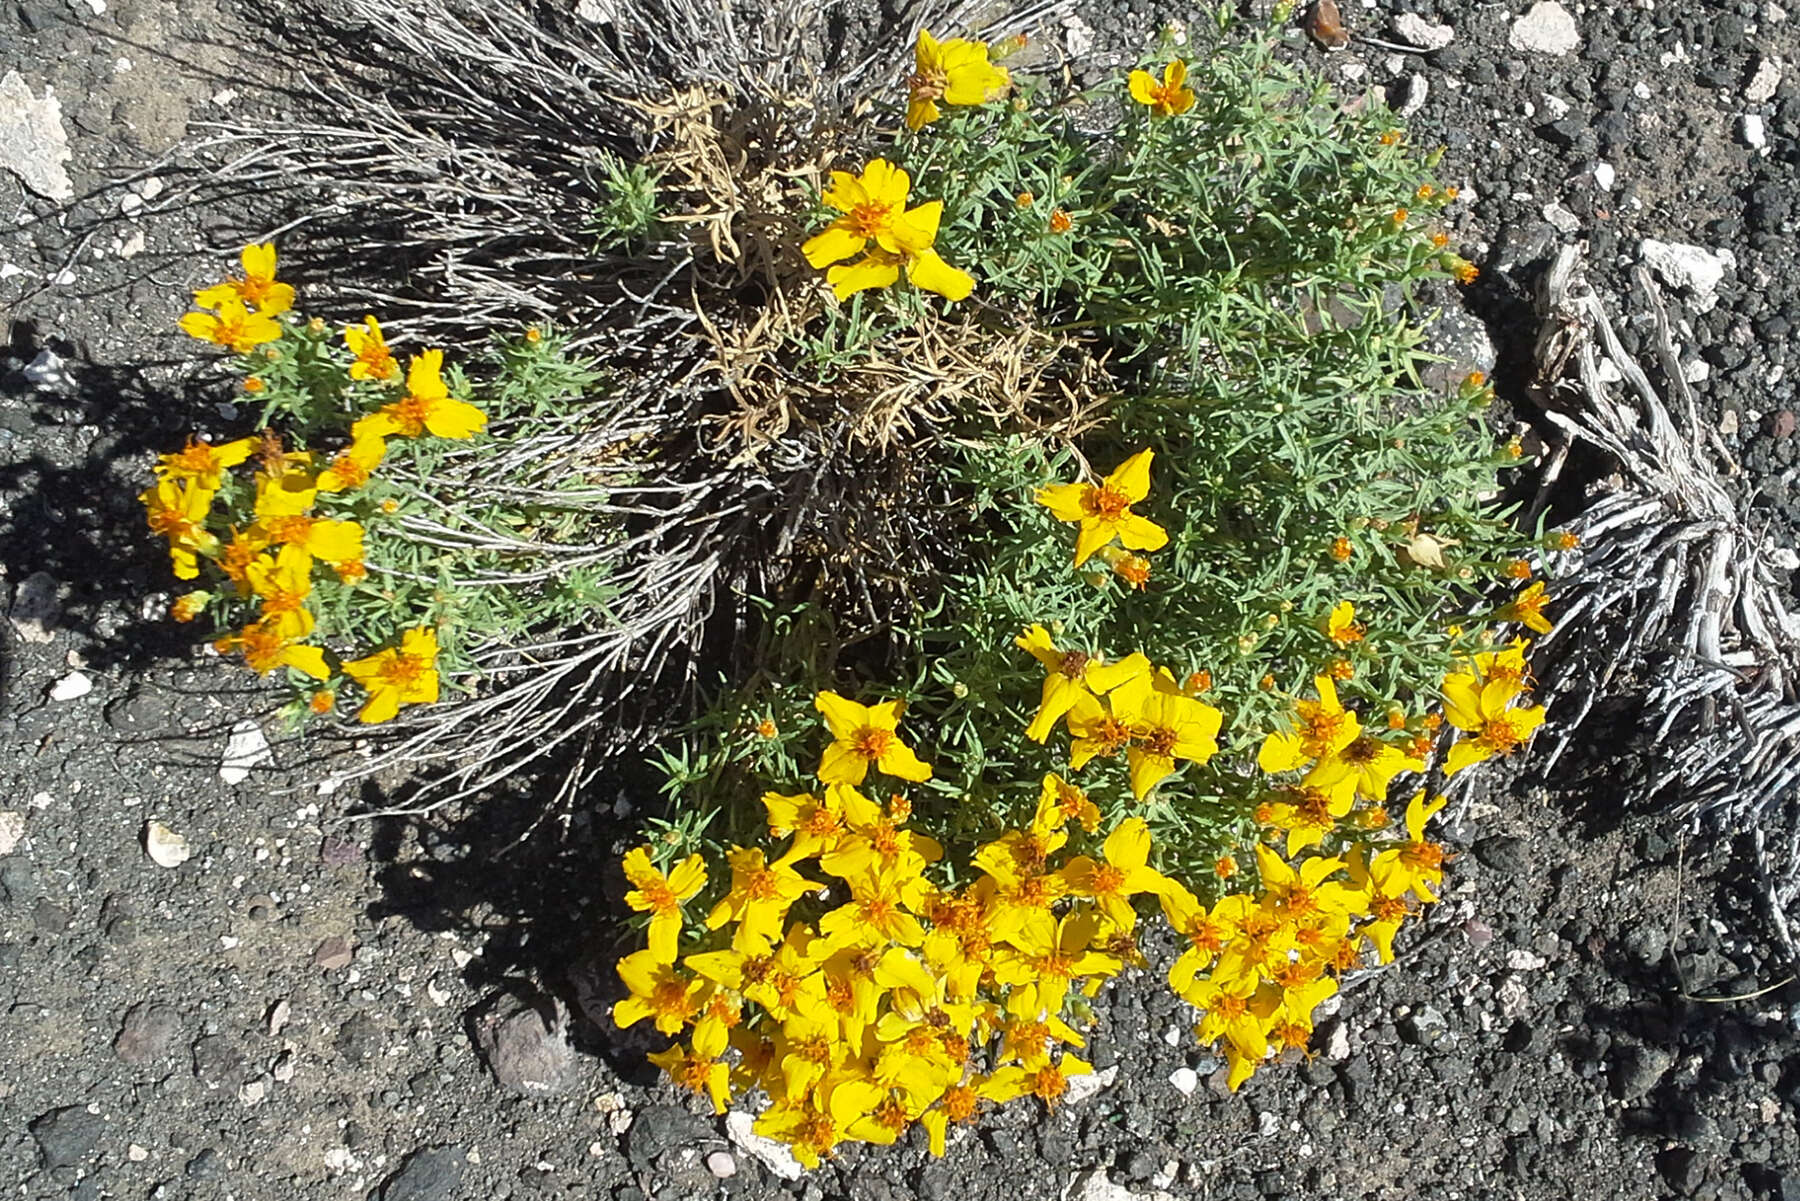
(307, 1007)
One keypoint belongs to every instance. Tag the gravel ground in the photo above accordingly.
(309, 1009)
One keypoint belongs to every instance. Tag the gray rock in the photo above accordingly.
(33, 144)
(1415, 30)
(216, 1061)
(1636, 1069)
(657, 1128)
(1763, 81)
(359, 1038)
(37, 607)
(433, 1174)
(1694, 268)
(147, 1032)
(67, 1136)
(1424, 1027)
(527, 1050)
(207, 1164)
(1546, 29)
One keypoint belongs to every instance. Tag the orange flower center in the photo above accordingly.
(761, 886)
(891, 1115)
(410, 413)
(695, 1075)
(1074, 664)
(959, 1102)
(1362, 752)
(1500, 734)
(669, 996)
(1049, 1084)
(262, 647)
(1106, 503)
(660, 896)
(871, 219)
(885, 839)
(405, 670)
(881, 912)
(1111, 735)
(871, 744)
(1108, 880)
(929, 84)
(1423, 857)
(1388, 909)
(1319, 728)
(290, 529)
(196, 458)
(1134, 570)
(1159, 742)
(347, 470)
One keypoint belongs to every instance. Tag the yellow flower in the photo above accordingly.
(1417, 865)
(1484, 711)
(1047, 1083)
(1303, 895)
(1070, 675)
(1059, 801)
(657, 991)
(351, 468)
(1165, 726)
(954, 71)
(1309, 814)
(1528, 609)
(334, 542)
(876, 219)
(1364, 766)
(865, 735)
(178, 512)
(1133, 569)
(266, 646)
(1167, 98)
(1045, 955)
(1240, 1013)
(697, 1073)
(1341, 626)
(661, 896)
(258, 287)
(286, 486)
(761, 894)
(1322, 727)
(1124, 874)
(283, 582)
(233, 326)
(373, 359)
(203, 462)
(403, 675)
(427, 406)
(188, 606)
(1104, 510)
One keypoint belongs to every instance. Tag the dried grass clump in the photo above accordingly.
(453, 157)
(1676, 592)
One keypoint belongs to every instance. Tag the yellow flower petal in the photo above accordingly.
(928, 271)
(1131, 478)
(872, 271)
(833, 244)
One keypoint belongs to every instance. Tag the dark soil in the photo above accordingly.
(310, 1008)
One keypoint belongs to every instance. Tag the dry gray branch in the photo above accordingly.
(1675, 593)
(452, 162)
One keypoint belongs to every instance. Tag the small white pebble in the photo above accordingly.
(71, 687)
(1185, 1080)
